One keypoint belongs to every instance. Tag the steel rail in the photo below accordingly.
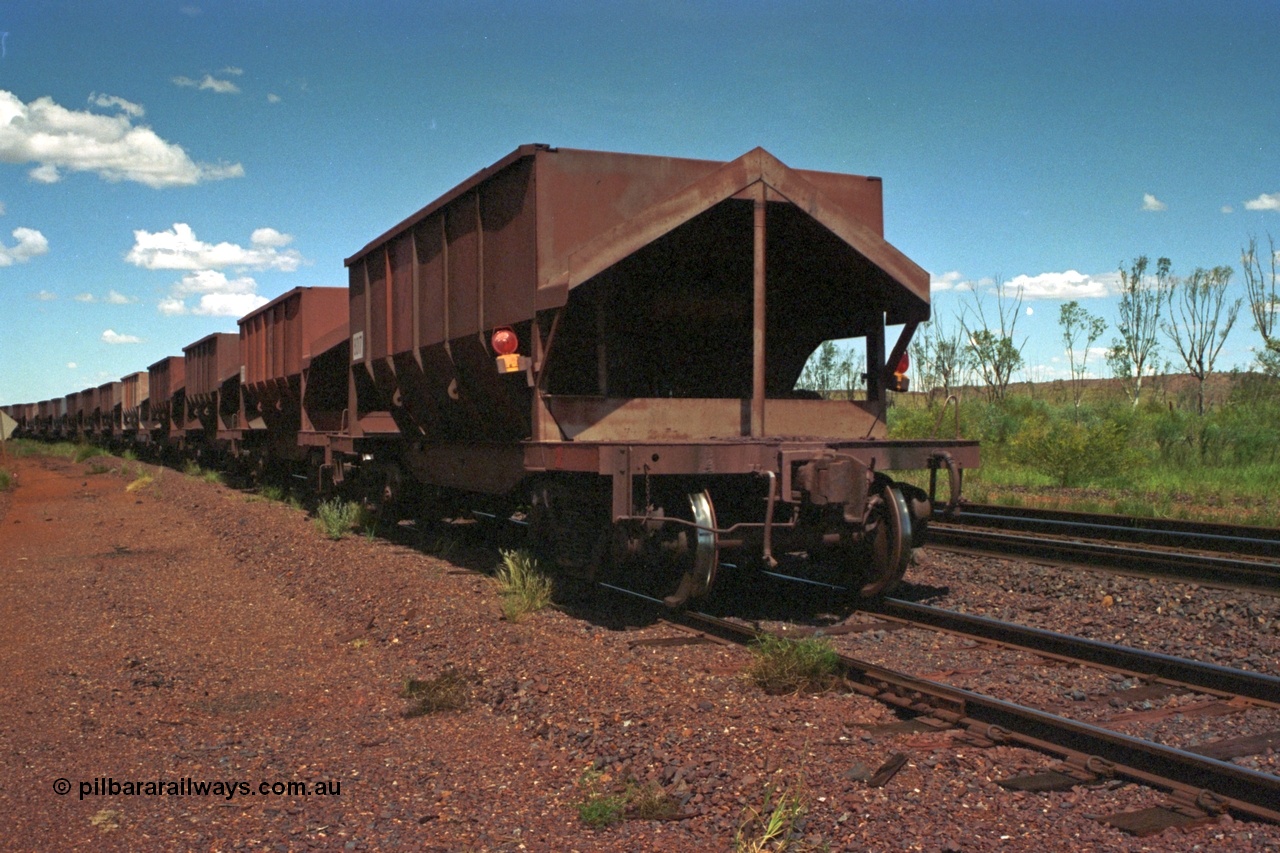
(1212, 568)
(1209, 536)
(1195, 777)
(1258, 686)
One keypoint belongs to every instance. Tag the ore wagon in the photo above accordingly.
(613, 341)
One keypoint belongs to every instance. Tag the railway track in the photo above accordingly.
(1231, 555)
(1199, 779)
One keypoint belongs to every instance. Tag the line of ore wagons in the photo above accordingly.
(621, 320)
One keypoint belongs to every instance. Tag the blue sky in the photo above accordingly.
(165, 166)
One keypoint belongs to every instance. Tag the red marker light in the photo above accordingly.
(904, 364)
(504, 341)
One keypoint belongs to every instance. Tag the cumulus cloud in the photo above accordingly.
(56, 138)
(180, 249)
(113, 297)
(1062, 285)
(72, 365)
(46, 296)
(1266, 201)
(947, 281)
(30, 244)
(219, 296)
(273, 98)
(208, 83)
(110, 336)
(112, 101)
(216, 293)
(1150, 202)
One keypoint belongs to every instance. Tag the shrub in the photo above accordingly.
(6, 480)
(1071, 451)
(522, 585)
(781, 665)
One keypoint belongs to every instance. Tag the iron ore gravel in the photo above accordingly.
(187, 630)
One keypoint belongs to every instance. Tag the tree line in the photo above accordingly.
(1163, 320)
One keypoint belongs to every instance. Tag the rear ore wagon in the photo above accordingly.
(611, 343)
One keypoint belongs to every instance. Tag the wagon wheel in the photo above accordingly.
(568, 529)
(887, 546)
(697, 553)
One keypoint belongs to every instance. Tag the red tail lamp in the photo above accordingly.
(898, 380)
(504, 341)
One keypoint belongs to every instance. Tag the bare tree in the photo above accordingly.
(1077, 322)
(1262, 302)
(993, 353)
(1197, 327)
(1133, 355)
(938, 356)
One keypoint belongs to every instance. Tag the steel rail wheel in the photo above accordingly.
(888, 548)
(703, 558)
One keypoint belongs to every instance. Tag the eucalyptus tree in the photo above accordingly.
(992, 350)
(1133, 355)
(1197, 326)
(1076, 323)
(1262, 301)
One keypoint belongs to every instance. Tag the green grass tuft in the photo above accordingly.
(336, 517)
(782, 665)
(522, 585)
(448, 691)
(773, 826)
(87, 451)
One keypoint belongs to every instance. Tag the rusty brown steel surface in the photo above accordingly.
(211, 361)
(518, 237)
(277, 339)
(278, 343)
(166, 376)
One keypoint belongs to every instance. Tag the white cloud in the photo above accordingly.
(1266, 201)
(219, 296)
(228, 304)
(1150, 202)
(117, 298)
(212, 281)
(210, 83)
(180, 249)
(273, 98)
(947, 281)
(172, 306)
(71, 365)
(56, 138)
(121, 104)
(84, 297)
(1062, 285)
(30, 244)
(111, 337)
(1226, 208)
(46, 296)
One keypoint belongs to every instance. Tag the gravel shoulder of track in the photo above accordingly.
(189, 633)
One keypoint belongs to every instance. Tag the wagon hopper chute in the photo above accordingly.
(614, 340)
